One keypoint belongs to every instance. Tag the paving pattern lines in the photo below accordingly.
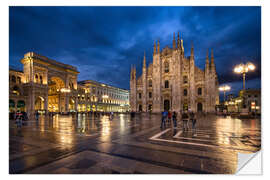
(203, 138)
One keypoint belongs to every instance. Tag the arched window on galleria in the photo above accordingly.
(41, 80)
(13, 79)
(36, 78)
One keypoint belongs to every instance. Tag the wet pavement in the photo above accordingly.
(97, 145)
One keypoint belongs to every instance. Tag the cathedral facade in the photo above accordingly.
(173, 82)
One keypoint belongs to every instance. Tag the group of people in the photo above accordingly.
(185, 116)
(167, 117)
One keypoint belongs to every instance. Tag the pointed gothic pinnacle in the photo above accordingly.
(158, 48)
(174, 44)
(155, 48)
(144, 60)
(212, 56)
(192, 49)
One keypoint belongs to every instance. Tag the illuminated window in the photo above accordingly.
(19, 80)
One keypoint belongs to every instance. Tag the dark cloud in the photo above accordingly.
(103, 42)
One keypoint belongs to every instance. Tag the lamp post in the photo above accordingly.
(243, 69)
(224, 89)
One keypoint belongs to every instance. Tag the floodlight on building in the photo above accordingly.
(105, 96)
(65, 90)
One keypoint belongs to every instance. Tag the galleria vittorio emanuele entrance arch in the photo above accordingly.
(49, 84)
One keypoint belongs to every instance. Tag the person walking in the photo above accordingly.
(174, 117)
(163, 119)
(193, 121)
(18, 121)
(185, 120)
(169, 117)
(37, 115)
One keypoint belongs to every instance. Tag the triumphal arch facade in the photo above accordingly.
(49, 85)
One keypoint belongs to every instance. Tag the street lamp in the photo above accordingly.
(243, 69)
(224, 89)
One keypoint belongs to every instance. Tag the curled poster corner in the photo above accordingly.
(249, 164)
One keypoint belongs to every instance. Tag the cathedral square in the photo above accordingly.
(133, 90)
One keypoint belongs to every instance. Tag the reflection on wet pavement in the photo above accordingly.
(51, 140)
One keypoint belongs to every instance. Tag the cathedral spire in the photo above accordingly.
(158, 47)
(144, 61)
(155, 48)
(178, 41)
(192, 50)
(207, 59)
(174, 44)
(213, 67)
(212, 57)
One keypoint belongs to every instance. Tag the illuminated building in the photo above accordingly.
(173, 82)
(50, 86)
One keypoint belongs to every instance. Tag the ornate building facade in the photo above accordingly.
(50, 86)
(173, 82)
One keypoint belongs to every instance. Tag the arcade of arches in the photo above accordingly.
(46, 85)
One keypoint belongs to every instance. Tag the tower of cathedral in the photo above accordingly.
(173, 82)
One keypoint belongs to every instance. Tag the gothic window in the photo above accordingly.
(140, 95)
(13, 79)
(199, 91)
(185, 79)
(166, 67)
(41, 80)
(150, 94)
(166, 84)
(150, 83)
(19, 80)
(185, 92)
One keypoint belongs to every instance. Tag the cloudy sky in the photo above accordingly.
(103, 42)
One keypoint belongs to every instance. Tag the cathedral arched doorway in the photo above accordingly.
(140, 108)
(166, 105)
(199, 107)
